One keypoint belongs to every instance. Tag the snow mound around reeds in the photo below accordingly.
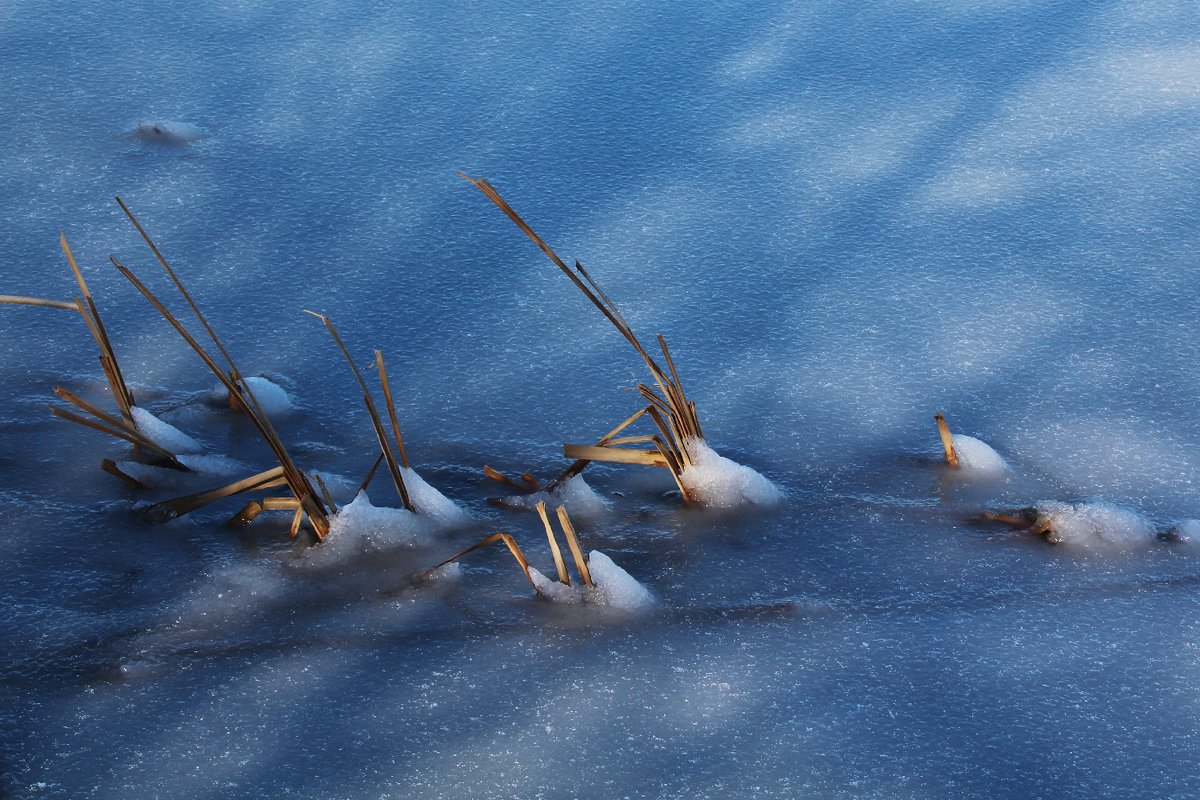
(164, 434)
(978, 457)
(575, 493)
(613, 587)
(272, 398)
(719, 482)
(1096, 524)
(361, 525)
(431, 503)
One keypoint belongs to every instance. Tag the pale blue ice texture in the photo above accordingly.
(845, 217)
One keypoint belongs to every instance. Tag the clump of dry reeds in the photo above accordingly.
(304, 500)
(120, 425)
(394, 458)
(560, 565)
(672, 413)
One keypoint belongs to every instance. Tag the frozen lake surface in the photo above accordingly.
(844, 218)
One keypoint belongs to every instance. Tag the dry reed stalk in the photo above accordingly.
(615, 455)
(385, 446)
(682, 424)
(527, 485)
(509, 542)
(564, 520)
(233, 382)
(332, 506)
(178, 506)
(947, 440)
(387, 396)
(362, 487)
(256, 507)
(118, 427)
(110, 466)
(297, 518)
(108, 357)
(36, 301)
(609, 438)
(559, 563)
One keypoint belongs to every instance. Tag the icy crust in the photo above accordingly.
(164, 434)
(1094, 524)
(719, 482)
(977, 457)
(614, 587)
(429, 502)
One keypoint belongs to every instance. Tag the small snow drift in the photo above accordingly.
(164, 434)
(169, 133)
(575, 493)
(719, 482)
(271, 397)
(361, 526)
(429, 502)
(978, 457)
(1096, 524)
(611, 587)
(614, 587)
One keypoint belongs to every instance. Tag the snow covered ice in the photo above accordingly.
(843, 218)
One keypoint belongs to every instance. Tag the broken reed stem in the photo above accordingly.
(564, 520)
(674, 468)
(581, 464)
(110, 466)
(387, 396)
(509, 542)
(385, 445)
(947, 440)
(362, 487)
(528, 486)
(256, 507)
(36, 301)
(332, 506)
(108, 357)
(130, 430)
(121, 433)
(177, 507)
(559, 563)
